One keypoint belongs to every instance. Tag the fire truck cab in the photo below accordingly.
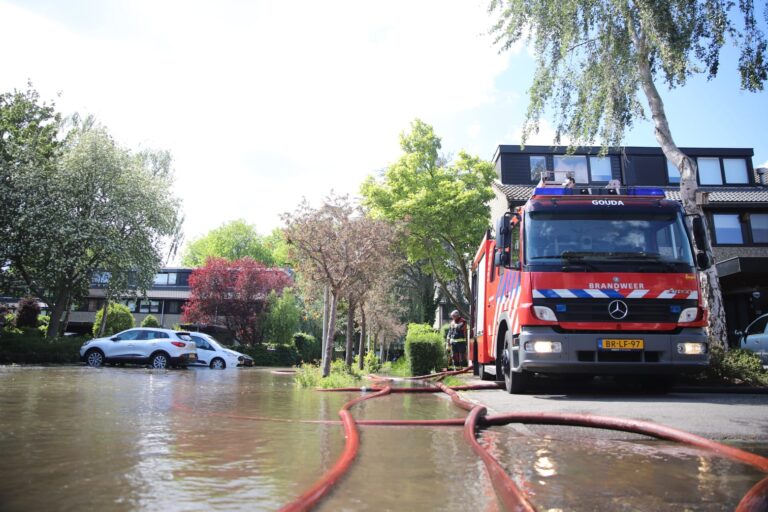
(589, 282)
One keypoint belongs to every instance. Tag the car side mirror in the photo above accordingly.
(738, 333)
(115, 338)
(699, 233)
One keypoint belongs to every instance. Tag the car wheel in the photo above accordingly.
(94, 358)
(159, 360)
(218, 364)
(515, 382)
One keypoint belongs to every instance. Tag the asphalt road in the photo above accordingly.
(719, 416)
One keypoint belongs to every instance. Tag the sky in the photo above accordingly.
(262, 103)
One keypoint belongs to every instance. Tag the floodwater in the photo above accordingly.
(76, 438)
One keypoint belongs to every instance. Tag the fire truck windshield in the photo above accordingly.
(629, 241)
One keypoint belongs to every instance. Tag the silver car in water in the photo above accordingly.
(755, 338)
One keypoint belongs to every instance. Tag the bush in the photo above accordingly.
(32, 349)
(149, 321)
(27, 314)
(371, 363)
(42, 324)
(308, 348)
(424, 349)
(119, 318)
(283, 317)
(310, 376)
(737, 365)
(264, 355)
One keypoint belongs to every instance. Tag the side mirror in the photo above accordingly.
(115, 338)
(503, 240)
(699, 233)
(703, 261)
(738, 333)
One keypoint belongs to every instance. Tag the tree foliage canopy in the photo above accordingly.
(442, 206)
(587, 53)
(233, 293)
(232, 240)
(75, 202)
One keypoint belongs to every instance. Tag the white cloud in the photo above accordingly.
(259, 103)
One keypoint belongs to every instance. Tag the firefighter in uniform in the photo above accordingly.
(457, 339)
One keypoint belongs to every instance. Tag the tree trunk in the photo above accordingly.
(325, 325)
(350, 352)
(104, 313)
(54, 324)
(710, 284)
(328, 354)
(361, 352)
(67, 311)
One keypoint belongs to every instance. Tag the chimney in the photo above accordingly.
(761, 172)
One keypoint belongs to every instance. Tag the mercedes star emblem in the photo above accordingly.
(618, 309)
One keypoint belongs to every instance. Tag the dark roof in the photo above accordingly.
(719, 195)
(624, 150)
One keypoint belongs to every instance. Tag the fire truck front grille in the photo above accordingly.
(596, 310)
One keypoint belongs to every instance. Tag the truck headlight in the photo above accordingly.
(544, 313)
(692, 348)
(688, 315)
(543, 347)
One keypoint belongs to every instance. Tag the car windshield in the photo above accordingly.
(607, 241)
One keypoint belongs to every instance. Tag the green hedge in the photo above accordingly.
(264, 355)
(33, 349)
(424, 349)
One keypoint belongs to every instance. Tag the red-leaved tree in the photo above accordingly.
(233, 294)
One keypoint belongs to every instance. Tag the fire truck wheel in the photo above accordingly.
(515, 382)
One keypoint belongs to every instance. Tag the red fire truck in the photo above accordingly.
(589, 282)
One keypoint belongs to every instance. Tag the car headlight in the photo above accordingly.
(544, 313)
(691, 348)
(688, 315)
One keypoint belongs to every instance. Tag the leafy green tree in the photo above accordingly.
(119, 318)
(232, 240)
(150, 321)
(442, 206)
(283, 317)
(92, 206)
(595, 57)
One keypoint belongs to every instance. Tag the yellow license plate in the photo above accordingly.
(612, 344)
(193, 356)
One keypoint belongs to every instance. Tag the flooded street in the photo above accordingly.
(76, 438)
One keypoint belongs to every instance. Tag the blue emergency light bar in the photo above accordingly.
(593, 191)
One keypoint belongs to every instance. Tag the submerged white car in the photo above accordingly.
(210, 353)
(159, 348)
(755, 338)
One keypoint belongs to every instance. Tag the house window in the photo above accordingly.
(600, 168)
(759, 226)
(538, 165)
(673, 173)
(131, 305)
(571, 165)
(173, 307)
(727, 228)
(149, 306)
(735, 170)
(709, 171)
